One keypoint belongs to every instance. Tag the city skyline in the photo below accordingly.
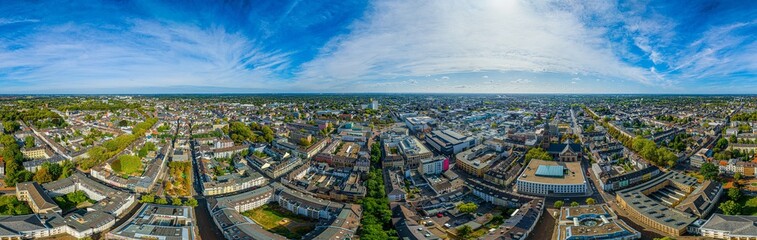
(681, 47)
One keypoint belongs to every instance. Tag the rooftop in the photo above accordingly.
(571, 172)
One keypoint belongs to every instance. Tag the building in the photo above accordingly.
(522, 222)
(434, 166)
(35, 195)
(629, 179)
(335, 220)
(419, 123)
(414, 152)
(565, 152)
(37, 153)
(233, 183)
(670, 202)
(154, 221)
(397, 192)
(730, 227)
(593, 222)
(477, 160)
(246, 201)
(543, 178)
(449, 142)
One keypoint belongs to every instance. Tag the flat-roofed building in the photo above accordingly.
(154, 221)
(414, 152)
(593, 222)
(670, 202)
(477, 160)
(544, 178)
(449, 142)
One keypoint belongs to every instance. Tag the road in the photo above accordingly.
(202, 213)
(49, 143)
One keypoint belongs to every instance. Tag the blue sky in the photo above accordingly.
(480, 46)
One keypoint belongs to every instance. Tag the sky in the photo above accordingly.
(476, 46)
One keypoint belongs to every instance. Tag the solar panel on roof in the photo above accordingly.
(550, 171)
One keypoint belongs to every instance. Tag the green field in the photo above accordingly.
(280, 221)
(127, 164)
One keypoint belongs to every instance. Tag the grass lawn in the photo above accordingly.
(280, 221)
(127, 164)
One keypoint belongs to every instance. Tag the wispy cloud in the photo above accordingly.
(147, 53)
(431, 37)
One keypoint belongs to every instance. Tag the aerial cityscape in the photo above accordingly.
(378, 119)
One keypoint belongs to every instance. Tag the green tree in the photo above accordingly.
(737, 177)
(191, 202)
(464, 232)
(147, 198)
(176, 201)
(590, 201)
(11, 126)
(29, 142)
(730, 208)
(240, 132)
(67, 168)
(559, 204)
(734, 194)
(709, 171)
(665, 238)
(161, 201)
(43, 176)
(467, 207)
(305, 142)
(574, 204)
(537, 153)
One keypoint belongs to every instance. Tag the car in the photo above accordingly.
(439, 215)
(447, 225)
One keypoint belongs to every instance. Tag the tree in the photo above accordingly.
(665, 238)
(467, 207)
(730, 207)
(11, 126)
(55, 169)
(737, 177)
(734, 194)
(161, 201)
(29, 142)
(43, 176)
(191, 202)
(574, 204)
(537, 153)
(464, 232)
(240, 132)
(67, 169)
(709, 171)
(590, 201)
(147, 198)
(176, 201)
(559, 204)
(305, 142)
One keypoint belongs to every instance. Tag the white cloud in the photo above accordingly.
(400, 38)
(485, 76)
(149, 54)
(520, 80)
